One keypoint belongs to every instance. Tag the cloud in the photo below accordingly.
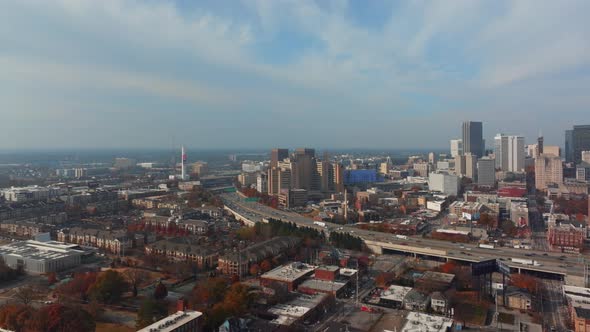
(297, 62)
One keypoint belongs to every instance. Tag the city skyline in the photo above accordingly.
(139, 74)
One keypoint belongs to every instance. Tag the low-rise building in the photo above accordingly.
(303, 307)
(516, 298)
(180, 249)
(290, 275)
(417, 321)
(314, 286)
(238, 262)
(113, 241)
(566, 236)
(41, 257)
(181, 321)
(416, 300)
(439, 303)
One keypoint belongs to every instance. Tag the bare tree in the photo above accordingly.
(135, 278)
(26, 294)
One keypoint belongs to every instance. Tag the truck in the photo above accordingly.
(320, 223)
(525, 261)
(486, 246)
(403, 237)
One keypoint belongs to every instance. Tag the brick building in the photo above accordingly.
(566, 236)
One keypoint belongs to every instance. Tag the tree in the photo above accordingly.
(206, 293)
(79, 286)
(135, 277)
(150, 311)
(52, 278)
(448, 267)
(383, 279)
(26, 294)
(109, 287)
(15, 316)
(254, 269)
(160, 292)
(265, 266)
(58, 318)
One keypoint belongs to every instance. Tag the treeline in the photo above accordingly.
(346, 241)
(276, 227)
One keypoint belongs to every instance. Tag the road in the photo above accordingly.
(555, 312)
(555, 263)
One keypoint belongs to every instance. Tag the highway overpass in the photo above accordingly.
(566, 266)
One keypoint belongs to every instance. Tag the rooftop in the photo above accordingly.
(438, 277)
(322, 285)
(172, 322)
(40, 250)
(289, 272)
(395, 293)
(420, 322)
(291, 311)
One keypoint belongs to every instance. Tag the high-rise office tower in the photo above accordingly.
(548, 170)
(540, 145)
(486, 172)
(586, 156)
(471, 166)
(509, 152)
(516, 153)
(576, 141)
(277, 155)
(459, 165)
(501, 151)
(432, 158)
(456, 147)
(473, 138)
(306, 169)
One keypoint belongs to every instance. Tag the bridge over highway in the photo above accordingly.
(564, 266)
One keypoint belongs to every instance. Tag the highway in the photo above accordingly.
(558, 264)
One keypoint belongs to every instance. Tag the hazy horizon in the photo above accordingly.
(257, 74)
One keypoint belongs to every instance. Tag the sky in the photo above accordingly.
(267, 73)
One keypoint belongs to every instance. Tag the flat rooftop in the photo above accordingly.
(330, 268)
(295, 309)
(420, 322)
(347, 272)
(395, 293)
(438, 277)
(172, 322)
(289, 272)
(40, 250)
(323, 285)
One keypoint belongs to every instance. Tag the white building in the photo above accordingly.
(444, 182)
(181, 321)
(509, 152)
(486, 172)
(32, 193)
(41, 257)
(456, 147)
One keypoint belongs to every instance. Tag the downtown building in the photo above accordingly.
(509, 152)
(473, 141)
(576, 141)
(548, 171)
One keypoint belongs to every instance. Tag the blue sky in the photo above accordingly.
(263, 73)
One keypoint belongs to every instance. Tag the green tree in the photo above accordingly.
(109, 287)
(150, 311)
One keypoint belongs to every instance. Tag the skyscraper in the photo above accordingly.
(516, 153)
(501, 151)
(486, 172)
(473, 138)
(509, 151)
(471, 166)
(576, 141)
(548, 170)
(456, 147)
(277, 155)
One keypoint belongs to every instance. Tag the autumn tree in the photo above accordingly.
(79, 286)
(109, 287)
(135, 277)
(383, 279)
(523, 281)
(15, 316)
(51, 278)
(265, 266)
(160, 292)
(448, 267)
(61, 318)
(26, 294)
(254, 269)
(206, 293)
(150, 311)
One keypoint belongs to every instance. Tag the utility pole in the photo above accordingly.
(357, 282)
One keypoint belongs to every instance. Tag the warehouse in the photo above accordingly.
(41, 257)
